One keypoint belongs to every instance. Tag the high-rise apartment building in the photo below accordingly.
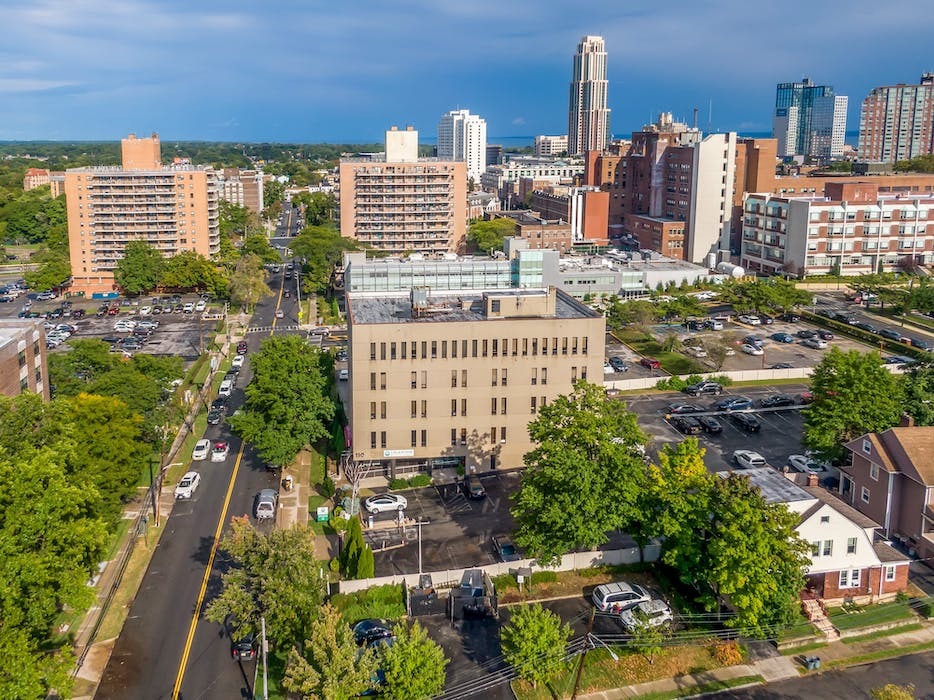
(588, 115)
(172, 208)
(897, 122)
(548, 146)
(454, 377)
(462, 136)
(809, 121)
(397, 202)
(242, 187)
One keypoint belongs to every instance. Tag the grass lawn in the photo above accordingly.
(566, 583)
(710, 687)
(314, 501)
(879, 655)
(800, 628)
(116, 614)
(883, 633)
(601, 672)
(646, 344)
(871, 615)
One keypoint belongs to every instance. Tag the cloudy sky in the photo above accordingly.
(311, 71)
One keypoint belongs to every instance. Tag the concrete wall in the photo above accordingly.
(569, 562)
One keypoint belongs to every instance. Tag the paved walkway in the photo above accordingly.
(293, 504)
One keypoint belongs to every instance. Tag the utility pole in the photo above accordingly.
(580, 666)
(262, 622)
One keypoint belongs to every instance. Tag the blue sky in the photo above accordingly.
(310, 71)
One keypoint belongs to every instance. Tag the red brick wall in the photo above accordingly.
(828, 585)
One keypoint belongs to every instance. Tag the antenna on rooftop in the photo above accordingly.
(695, 119)
(709, 114)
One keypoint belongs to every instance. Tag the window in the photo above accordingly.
(382, 351)
(525, 347)
(889, 572)
(495, 377)
(515, 347)
(413, 380)
(493, 406)
(424, 379)
(502, 434)
(493, 434)
(845, 578)
(453, 378)
(405, 350)
(502, 403)
(382, 410)
(584, 346)
(373, 381)
(534, 376)
(851, 545)
(372, 410)
(504, 376)
(534, 346)
(544, 375)
(463, 378)
(867, 447)
(815, 549)
(453, 407)
(825, 518)
(463, 407)
(382, 380)
(382, 439)
(424, 408)
(21, 356)
(453, 436)
(434, 349)
(864, 494)
(392, 351)
(463, 436)
(372, 351)
(414, 438)
(874, 471)
(424, 438)
(473, 348)
(573, 374)
(533, 407)
(495, 347)
(828, 548)
(424, 349)
(564, 346)
(373, 441)
(849, 579)
(414, 409)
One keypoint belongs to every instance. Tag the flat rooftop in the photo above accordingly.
(12, 329)
(774, 486)
(454, 307)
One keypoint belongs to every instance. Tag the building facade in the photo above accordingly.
(173, 209)
(503, 179)
(454, 378)
(540, 233)
(586, 208)
(588, 115)
(398, 202)
(853, 228)
(896, 122)
(242, 187)
(23, 364)
(36, 177)
(549, 146)
(809, 121)
(462, 136)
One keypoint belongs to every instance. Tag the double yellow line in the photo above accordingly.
(204, 582)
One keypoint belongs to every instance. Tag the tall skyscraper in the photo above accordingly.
(897, 122)
(809, 120)
(462, 136)
(588, 115)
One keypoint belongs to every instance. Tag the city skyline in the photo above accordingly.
(289, 72)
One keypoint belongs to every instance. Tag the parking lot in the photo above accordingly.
(779, 436)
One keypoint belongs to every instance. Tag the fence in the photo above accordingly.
(569, 562)
(749, 375)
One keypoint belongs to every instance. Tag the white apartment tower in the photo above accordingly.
(588, 115)
(462, 137)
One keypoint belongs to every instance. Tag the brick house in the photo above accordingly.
(849, 561)
(891, 480)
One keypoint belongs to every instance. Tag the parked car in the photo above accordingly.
(714, 325)
(747, 422)
(686, 425)
(921, 344)
(651, 613)
(226, 388)
(505, 549)
(777, 400)
(237, 363)
(751, 349)
(753, 339)
(679, 408)
(806, 333)
(868, 327)
(474, 487)
(187, 485)
(790, 317)
(618, 364)
(808, 464)
(343, 374)
(241, 347)
(385, 502)
(766, 320)
(702, 388)
(366, 632)
(749, 320)
(695, 351)
(619, 596)
(815, 343)
(202, 447)
(650, 362)
(215, 416)
(243, 648)
(710, 425)
(145, 311)
(891, 334)
(733, 403)
(783, 337)
(749, 459)
(220, 402)
(824, 335)
(280, 313)
(220, 451)
(266, 501)
(201, 306)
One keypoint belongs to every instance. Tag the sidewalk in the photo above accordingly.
(773, 669)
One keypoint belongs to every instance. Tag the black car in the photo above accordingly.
(231, 376)
(696, 325)
(341, 356)
(747, 422)
(766, 320)
(676, 409)
(369, 631)
(112, 339)
(474, 487)
(243, 649)
(215, 416)
(78, 313)
(702, 388)
(686, 425)
(824, 335)
(777, 400)
(220, 403)
(920, 344)
(781, 365)
(868, 327)
(790, 318)
(806, 333)
(241, 347)
(618, 364)
(710, 424)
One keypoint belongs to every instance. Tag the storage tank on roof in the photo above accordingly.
(730, 269)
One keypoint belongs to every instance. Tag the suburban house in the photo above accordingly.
(891, 480)
(849, 561)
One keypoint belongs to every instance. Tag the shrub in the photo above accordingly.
(387, 602)
(727, 653)
(396, 484)
(544, 577)
(420, 480)
(334, 565)
(504, 581)
(366, 567)
(327, 487)
(722, 380)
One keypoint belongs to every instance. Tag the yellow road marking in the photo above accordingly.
(207, 575)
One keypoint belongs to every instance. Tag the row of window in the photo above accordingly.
(419, 409)
(825, 549)
(494, 347)
(420, 437)
(418, 379)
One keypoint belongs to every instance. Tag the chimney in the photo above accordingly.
(907, 421)
(812, 479)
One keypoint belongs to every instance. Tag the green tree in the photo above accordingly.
(329, 667)
(248, 282)
(353, 548)
(919, 394)
(140, 268)
(582, 477)
(288, 404)
(54, 268)
(413, 666)
(853, 394)
(318, 207)
(638, 312)
(366, 564)
(258, 245)
(534, 641)
(647, 639)
(322, 248)
(484, 236)
(191, 270)
(274, 577)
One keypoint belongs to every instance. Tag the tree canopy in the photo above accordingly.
(582, 477)
(413, 666)
(140, 268)
(248, 282)
(287, 404)
(534, 641)
(318, 207)
(321, 248)
(484, 236)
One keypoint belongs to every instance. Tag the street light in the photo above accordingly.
(594, 640)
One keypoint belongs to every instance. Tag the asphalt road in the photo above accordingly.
(148, 654)
(855, 682)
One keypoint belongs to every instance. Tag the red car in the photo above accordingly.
(241, 347)
(650, 362)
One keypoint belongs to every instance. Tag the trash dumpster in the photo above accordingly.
(812, 663)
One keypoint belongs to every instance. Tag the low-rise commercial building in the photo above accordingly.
(453, 378)
(23, 358)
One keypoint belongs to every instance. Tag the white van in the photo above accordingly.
(226, 388)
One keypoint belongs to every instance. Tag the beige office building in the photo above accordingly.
(401, 203)
(173, 208)
(455, 378)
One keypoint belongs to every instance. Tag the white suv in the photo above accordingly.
(619, 596)
(652, 613)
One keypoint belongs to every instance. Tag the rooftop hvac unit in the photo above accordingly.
(419, 297)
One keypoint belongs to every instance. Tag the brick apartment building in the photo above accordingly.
(897, 122)
(541, 233)
(242, 187)
(37, 177)
(172, 208)
(853, 227)
(23, 364)
(585, 208)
